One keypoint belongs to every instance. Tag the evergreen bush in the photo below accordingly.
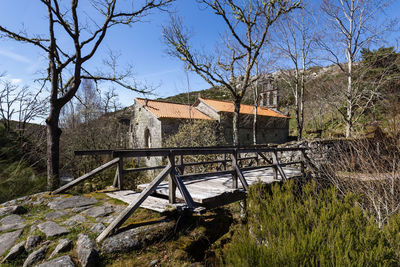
(294, 226)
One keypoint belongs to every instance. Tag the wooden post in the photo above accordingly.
(184, 192)
(171, 179)
(120, 173)
(224, 163)
(116, 179)
(277, 166)
(181, 167)
(234, 167)
(124, 215)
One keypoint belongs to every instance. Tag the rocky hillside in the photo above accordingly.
(45, 230)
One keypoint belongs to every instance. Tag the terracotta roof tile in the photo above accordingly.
(163, 109)
(225, 106)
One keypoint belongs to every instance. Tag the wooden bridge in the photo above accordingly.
(196, 191)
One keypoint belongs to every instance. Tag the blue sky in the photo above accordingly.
(140, 46)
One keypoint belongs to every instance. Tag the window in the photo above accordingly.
(147, 138)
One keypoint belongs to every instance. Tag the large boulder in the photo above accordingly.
(63, 245)
(87, 251)
(32, 242)
(51, 229)
(36, 256)
(64, 261)
(15, 252)
(98, 211)
(12, 210)
(71, 202)
(133, 239)
(7, 240)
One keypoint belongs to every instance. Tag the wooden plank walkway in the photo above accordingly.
(151, 203)
(205, 190)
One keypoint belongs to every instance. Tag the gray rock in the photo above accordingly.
(8, 227)
(55, 214)
(97, 228)
(98, 211)
(71, 202)
(153, 263)
(109, 219)
(122, 242)
(64, 261)
(15, 252)
(12, 219)
(7, 240)
(62, 246)
(87, 252)
(12, 210)
(52, 229)
(32, 242)
(33, 228)
(79, 209)
(36, 256)
(76, 219)
(134, 238)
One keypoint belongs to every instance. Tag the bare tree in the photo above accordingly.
(66, 64)
(248, 23)
(296, 35)
(31, 106)
(9, 97)
(354, 25)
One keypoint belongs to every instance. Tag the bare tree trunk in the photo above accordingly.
(255, 93)
(255, 124)
(349, 114)
(349, 119)
(53, 149)
(300, 124)
(236, 122)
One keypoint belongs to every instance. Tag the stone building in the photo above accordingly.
(153, 121)
(272, 126)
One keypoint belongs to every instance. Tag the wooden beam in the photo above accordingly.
(126, 213)
(120, 170)
(234, 173)
(191, 175)
(84, 177)
(224, 163)
(93, 152)
(241, 177)
(172, 180)
(144, 169)
(264, 158)
(115, 182)
(278, 166)
(181, 165)
(184, 192)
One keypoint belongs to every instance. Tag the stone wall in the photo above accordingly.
(269, 129)
(146, 129)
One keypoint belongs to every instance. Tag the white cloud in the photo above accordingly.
(16, 81)
(14, 56)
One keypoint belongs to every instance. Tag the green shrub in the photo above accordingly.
(292, 226)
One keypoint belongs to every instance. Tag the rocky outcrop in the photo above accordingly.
(87, 251)
(63, 245)
(7, 240)
(64, 261)
(51, 229)
(71, 202)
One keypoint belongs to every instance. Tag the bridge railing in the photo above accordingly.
(262, 156)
